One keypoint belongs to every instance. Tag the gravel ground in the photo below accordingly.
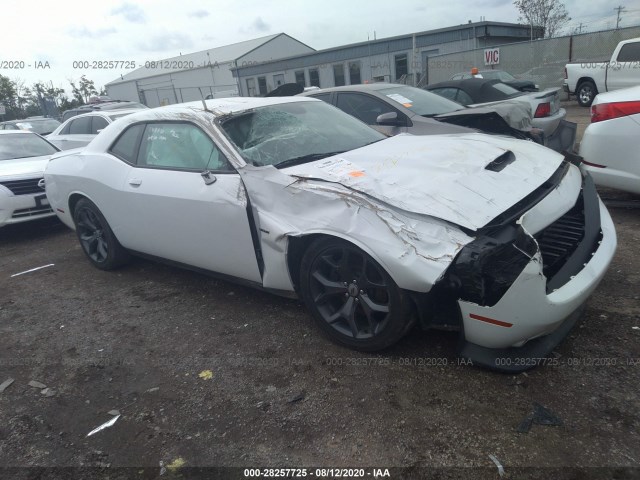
(205, 373)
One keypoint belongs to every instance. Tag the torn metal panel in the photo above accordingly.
(415, 252)
(515, 116)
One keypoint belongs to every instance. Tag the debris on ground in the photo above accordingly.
(154, 389)
(32, 270)
(108, 424)
(296, 398)
(48, 392)
(206, 374)
(36, 384)
(498, 464)
(176, 464)
(6, 384)
(540, 416)
(113, 413)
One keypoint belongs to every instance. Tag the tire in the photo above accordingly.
(586, 92)
(96, 238)
(352, 299)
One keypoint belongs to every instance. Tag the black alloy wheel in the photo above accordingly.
(96, 238)
(352, 297)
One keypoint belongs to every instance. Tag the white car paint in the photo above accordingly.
(621, 71)
(16, 206)
(610, 147)
(64, 140)
(411, 202)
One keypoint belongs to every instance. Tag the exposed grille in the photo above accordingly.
(31, 212)
(23, 187)
(560, 239)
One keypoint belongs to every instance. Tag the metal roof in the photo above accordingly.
(224, 54)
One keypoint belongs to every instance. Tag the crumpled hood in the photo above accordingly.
(23, 167)
(442, 176)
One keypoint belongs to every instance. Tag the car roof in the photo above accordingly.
(363, 87)
(17, 132)
(29, 120)
(217, 106)
(104, 113)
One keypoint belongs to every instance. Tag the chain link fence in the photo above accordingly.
(541, 61)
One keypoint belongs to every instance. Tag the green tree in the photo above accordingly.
(83, 90)
(548, 14)
(9, 97)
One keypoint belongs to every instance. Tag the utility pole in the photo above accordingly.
(620, 8)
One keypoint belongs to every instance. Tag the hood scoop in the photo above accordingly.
(501, 162)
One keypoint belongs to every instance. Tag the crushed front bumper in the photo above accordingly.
(537, 312)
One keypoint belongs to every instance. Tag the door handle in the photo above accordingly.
(135, 182)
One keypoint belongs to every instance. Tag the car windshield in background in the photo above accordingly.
(39, 126)
(18, 145)
(421, 102)
(498, 75)
(119, 115)
(499, 91)
(291, 133)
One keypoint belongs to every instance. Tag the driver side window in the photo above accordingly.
(180, 146)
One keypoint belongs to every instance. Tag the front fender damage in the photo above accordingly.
(414, 249)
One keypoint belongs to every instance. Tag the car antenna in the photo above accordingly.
(204, 104)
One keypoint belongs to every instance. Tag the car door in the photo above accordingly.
(77, 133)
(175, 213)
(367, 108)
(623, 73)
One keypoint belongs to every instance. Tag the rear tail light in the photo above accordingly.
(565, 73)
(608, 111)
(543, 110)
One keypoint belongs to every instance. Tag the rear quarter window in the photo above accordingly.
(126, 146)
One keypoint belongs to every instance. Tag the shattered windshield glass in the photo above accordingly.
(290, 133)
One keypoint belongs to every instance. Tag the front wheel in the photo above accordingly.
(96, 238)
(351, 297)
(585, 93)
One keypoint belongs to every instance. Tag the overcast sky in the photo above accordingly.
(65, 31)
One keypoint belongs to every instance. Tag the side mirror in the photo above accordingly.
(389, 119)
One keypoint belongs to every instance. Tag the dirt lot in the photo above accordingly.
(209, 374)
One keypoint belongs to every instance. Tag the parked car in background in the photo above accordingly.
(393, 108)
(23, 157)
(545, 108)
(39, 125)
(500, 238)
(523, 85)
(78, 131)
(110, 105)
(609, 146)
(586, 79)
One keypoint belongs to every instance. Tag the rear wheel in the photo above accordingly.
(96, 238)
(351, 297)
(586, 92)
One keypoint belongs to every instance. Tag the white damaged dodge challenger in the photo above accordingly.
(499, 238)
